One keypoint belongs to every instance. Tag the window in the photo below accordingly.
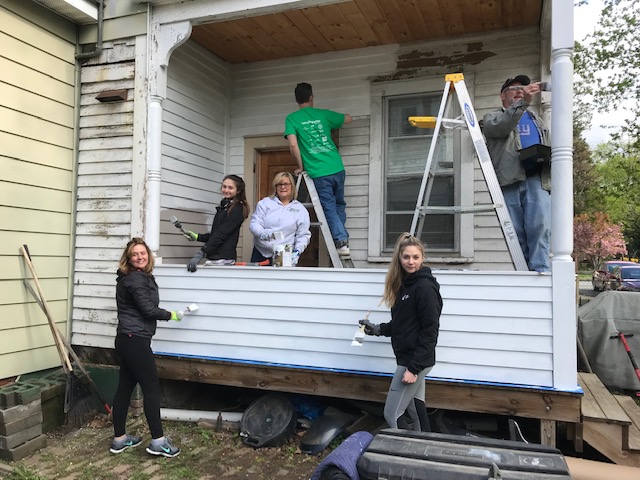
(405, 156)
(398, 155)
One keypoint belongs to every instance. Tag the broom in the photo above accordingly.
(78, 407)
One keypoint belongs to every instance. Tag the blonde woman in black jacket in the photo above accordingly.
(137, 299)
(414, 297)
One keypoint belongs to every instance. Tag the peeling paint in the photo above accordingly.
(417, 59)
(412, 64)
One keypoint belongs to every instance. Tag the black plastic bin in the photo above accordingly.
(403, 455)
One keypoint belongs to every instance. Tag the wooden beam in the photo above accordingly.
(461, 396)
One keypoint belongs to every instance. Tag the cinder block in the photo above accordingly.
(10, 428)
(27, 393)
(9, 415)
(11, 441)
(27, 448)
(8, 396)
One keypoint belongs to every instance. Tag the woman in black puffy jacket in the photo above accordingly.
(220, 245)
(414, 297)
(137, 299)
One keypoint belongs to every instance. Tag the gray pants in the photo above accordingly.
(401, 395)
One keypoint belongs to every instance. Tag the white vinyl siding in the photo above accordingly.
(494, 327)
(37, 86)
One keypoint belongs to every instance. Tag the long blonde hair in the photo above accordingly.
(396, 274)
(125, 266)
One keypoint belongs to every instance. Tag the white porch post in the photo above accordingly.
(164, 40)
(562, 265)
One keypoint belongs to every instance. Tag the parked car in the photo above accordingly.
(600, 278)
(625, 278)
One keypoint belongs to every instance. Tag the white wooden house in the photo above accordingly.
(208, 85)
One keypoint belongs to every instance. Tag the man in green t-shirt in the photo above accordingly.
(309, 134)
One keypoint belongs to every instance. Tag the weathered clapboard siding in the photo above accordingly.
(37, 85)
(262, 96)
(194, 143)
(494, 327)
(105, 212)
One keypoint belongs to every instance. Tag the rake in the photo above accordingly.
(78, 405)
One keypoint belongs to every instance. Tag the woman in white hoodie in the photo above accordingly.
(280, 219)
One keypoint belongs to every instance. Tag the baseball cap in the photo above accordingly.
(521, 79)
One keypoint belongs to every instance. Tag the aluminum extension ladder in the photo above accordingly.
(454, 83)
(336, 260)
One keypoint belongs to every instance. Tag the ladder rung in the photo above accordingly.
(459, 209)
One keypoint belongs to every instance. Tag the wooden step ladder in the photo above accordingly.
(610, 423)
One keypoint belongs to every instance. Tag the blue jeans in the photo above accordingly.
(529, 206)
(331, 192)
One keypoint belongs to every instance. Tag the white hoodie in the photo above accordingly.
(272, 216)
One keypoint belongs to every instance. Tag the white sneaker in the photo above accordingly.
(343, 251)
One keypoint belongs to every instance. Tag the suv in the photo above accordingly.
(601, 277)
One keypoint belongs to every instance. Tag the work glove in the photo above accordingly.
(266, 235)
(189, 235)
(193, 263)
(370, 328)
(177, 316)
(295, 256)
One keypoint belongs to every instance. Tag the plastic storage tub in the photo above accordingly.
(403, 455)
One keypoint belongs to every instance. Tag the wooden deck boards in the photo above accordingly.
(598, 404)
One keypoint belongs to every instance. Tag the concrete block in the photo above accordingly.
(9, 415)
(11, 441)
(10, 428)
(27, 448)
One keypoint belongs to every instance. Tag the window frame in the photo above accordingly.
(463, 173)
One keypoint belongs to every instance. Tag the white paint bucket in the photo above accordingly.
(282, 255)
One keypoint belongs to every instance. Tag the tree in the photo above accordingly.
(584, 172)
(607, 67)
(596, 238)
(618, 183)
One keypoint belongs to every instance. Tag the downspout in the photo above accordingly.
(98, 50)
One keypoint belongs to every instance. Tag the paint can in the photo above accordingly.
(282, 255)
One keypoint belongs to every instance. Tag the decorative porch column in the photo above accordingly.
(165, 38)
(562, 265)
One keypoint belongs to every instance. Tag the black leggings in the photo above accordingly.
(137, 365)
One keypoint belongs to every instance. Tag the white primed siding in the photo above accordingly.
(494, 327)
(37, 86)
(194, 143)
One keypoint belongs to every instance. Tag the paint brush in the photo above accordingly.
(358, 338)
(177, 224)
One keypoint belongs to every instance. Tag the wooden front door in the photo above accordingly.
(268, 164)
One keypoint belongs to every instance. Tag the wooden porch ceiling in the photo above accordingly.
(359, 23)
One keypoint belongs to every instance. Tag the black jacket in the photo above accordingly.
(415, 321)
(225, 231)
(137, 299)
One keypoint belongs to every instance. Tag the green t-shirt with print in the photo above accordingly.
(312, 127)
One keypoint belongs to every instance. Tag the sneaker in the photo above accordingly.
(164, 448)
(119, 446)
(343, 248)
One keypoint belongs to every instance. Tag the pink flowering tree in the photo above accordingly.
(596, 238)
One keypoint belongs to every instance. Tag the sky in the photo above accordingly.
(584, 21)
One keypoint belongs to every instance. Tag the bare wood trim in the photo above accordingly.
(540, 404)
(548, 432)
